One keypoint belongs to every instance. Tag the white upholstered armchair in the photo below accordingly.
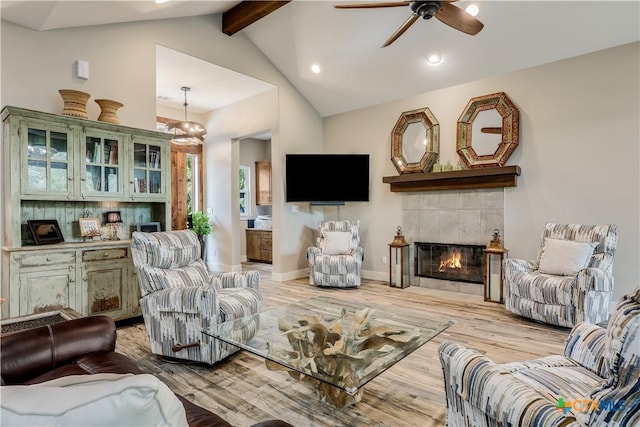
(594, 383)
(336, 260)
(179, 297)
(570, 281)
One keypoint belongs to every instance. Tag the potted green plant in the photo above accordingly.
(200, 225)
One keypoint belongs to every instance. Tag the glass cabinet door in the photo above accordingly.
(102, 165)
(48, 168)
(147, 172)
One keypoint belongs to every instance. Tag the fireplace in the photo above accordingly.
(454, 262)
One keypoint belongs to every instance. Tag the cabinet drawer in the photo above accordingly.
(265, 243)
(102, 254)
(39, 260)
(265, 256)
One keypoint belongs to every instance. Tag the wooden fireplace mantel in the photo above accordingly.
(505, 176)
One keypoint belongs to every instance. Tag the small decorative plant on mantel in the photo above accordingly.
(200, 225)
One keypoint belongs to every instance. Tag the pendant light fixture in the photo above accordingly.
(187, 132)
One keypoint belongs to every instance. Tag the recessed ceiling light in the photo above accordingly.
(472, 10)
(315, 68)
(434, 58)
(161, 1)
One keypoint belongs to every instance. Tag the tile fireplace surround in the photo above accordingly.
(452, 216)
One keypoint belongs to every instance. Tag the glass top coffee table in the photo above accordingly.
(338, 346)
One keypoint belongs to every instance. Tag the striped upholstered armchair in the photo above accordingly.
(336, 260)
(570, 281)
(596, 382)
(179, 297)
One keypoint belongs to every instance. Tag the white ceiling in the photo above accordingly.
(356, 72)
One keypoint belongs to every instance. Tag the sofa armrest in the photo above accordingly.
(586, 344)
(312, 253)
(245, 279)
(29, 353)
(594, 279)
(473, 380)
(517, 265)
(201, 301)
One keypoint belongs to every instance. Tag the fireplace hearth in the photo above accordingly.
(445, 261)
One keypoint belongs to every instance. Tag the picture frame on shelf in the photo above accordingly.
(89, 227)
(45, 231)
(148, 227)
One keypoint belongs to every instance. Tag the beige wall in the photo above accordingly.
(34, 65)
(579, 144)
(579, 154)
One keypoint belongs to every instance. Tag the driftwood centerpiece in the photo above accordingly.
(341, 356)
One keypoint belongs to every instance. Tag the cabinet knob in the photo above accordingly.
(48, 258)
(106, 254)
(84, 278)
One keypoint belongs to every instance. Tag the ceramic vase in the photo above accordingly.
(75, 103)
(108, 109)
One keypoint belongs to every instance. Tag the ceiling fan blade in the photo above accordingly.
(457, 18)
(400, 31)
(371, 5)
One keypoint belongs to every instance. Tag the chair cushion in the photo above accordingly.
(543, 288)
(565, 257)
(93, 400)
(558, 383)
(336, 242)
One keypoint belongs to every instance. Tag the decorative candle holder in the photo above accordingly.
(108, 109)
(75, 103)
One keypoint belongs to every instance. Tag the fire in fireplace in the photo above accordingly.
(455, 262)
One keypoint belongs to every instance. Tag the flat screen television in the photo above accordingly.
(327, 178)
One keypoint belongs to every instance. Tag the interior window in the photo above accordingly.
(194, 203)
(245, 191)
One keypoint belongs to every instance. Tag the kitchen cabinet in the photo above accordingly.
(259, 245)
(263, 182)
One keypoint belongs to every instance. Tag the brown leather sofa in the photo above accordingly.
(81, 347)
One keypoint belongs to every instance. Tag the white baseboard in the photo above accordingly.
(375, 275)
(290, 275)
(217, 267)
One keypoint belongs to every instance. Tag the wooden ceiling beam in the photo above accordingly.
(246, 13)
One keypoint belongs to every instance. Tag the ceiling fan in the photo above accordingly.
(451, 15)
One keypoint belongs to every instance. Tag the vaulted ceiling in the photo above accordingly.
(355, 71)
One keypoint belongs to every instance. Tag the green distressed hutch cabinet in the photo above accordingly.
(57, 168)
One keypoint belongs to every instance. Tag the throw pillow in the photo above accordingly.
(565, 257)
(336, 242)
(93, 400)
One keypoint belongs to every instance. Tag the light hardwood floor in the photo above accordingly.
(411, 393)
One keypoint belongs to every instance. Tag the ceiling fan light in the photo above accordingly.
(472, 10)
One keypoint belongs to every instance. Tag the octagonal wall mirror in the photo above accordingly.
(488, 131)
(415, 141)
